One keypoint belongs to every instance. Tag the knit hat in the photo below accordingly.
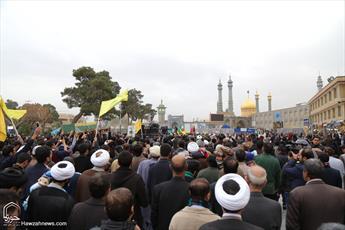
(62, 170)
(100, 158)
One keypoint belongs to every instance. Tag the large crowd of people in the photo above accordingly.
(172, 181)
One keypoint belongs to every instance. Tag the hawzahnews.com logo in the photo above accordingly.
(9, 212)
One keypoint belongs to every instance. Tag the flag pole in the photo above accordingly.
(97, 128)
(120, 117)
(15, 129)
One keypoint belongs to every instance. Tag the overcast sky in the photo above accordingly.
(175, 51)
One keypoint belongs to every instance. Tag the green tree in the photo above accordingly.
(135, 108)
(89, 91)
(11, 104)
(54, 115)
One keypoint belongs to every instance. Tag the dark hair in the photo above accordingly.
(165, 150)
(118, 204)
(7, 150)
(182, 144)
(82, 148)
(230, 165)
(42, 153)
(193, 165)
(137, 150)
(12, 177)
(307, 153)
(212, 162)
(314, 168)
(330, 151)
(199, 188)
(324, 158)
(125, 159)
(268, 148)
(23, 156)
(98, 185)
(240, 155)
(259, 144)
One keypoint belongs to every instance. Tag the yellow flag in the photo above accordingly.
(137, 125)
(108, 105)
(3, 133)
(12, 113)
(16, 113)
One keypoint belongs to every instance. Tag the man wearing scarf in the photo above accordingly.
(196, 213)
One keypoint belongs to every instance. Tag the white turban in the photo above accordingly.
(155, 151)
(232, 202)
(100, 158)
(199, 137)
(62, 170)
(193, 147)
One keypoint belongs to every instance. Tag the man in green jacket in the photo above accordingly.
(270, 163)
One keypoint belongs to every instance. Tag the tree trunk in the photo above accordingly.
(77, 117)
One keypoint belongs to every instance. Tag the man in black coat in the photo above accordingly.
(330, 175)
(261, 211)
(52, 203)
(160, 171)
(232, 193)
(80, 218)
(127, 178)
(171, 196)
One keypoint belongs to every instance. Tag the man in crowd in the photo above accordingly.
(82, 162)
(127, 178)
(230, 165)
(13, 179)
(52, 203)
(330, 175)
(242, 166)
(80, 217)
(160, 171)
(232, 193)
(270, 163)
(335, 162)
(119, 209)
(100, 161)
(138, 156)
(316, 202)
(171, 196)
(211, 173)
(43, 156)
(197, 213)
(256, 211)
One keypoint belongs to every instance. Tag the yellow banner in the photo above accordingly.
(108, 105)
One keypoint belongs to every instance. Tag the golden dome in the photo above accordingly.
(248, 104)
(248, 108)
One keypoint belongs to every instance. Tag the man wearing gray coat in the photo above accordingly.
(261, 211)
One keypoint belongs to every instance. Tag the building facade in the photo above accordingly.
(328, 104)
(290, 118)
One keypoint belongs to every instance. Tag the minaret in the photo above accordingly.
(161, 113)
(269, 97)
(319, 83)
(220, 99)
(257, 101)
(230, 102)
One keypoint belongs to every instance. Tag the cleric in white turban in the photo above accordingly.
(62, 170)
(100, 158)
(232, 193)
